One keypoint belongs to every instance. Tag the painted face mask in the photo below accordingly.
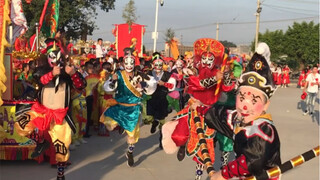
(158, 65)
(179, 64)
(190, 63)
(250, 103)
(207, 60)
(54, 58)
(129, 63)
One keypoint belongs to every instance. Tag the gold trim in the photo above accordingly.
(251, 178)
(254, 80)
(129, 85)
(316, 151)
(274, 172)
(297, 161)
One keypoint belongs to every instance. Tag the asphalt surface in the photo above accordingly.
(103, 157)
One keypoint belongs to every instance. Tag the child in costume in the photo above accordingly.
(125, 109)
(79, 116)
(56, 78)
(256, 141)
(175, 98)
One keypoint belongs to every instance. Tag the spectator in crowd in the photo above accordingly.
(312, 88)
(99, 50)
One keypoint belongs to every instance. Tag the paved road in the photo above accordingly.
(103, 157)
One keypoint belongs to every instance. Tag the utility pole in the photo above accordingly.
(257, 23)
(217, 32)
(155, 33)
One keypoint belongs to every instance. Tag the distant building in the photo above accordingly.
(181, 48)
(241, 49)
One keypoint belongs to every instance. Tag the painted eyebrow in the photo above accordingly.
(242, 94)
(254, 97)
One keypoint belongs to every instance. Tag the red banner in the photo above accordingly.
(125, 37)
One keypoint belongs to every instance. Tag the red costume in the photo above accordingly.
(286, 77)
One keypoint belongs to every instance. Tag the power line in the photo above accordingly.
(228, 23)
(283, 7)
(303, 1)
(280, 9)
(248, 22)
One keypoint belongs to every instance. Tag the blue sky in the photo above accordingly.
(194, 19)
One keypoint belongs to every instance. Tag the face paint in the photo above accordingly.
(190, 63)
(250, 103)
(129, 63)
(179, 64)
(158, 65)
(207, 59)
(54, 57)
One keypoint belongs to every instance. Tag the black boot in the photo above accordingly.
(40, 148)
(154, 126)
(181, 153)
(129, 155)
(60, 167)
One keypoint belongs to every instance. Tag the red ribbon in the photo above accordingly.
(43, 123)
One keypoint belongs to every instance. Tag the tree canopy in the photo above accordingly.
(299, 45)
(228, 44)
(77, 17)
(129, 13)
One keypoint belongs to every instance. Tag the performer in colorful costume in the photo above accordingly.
(256, 141)
(79, 115)
(124, 110)
(175, 98)
(157, 105)
(50, 113)
(202, 89)
(103, 96)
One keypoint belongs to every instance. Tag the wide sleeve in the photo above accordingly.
(219, 118)
(254, 155)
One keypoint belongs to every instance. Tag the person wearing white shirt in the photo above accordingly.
(312, 87)
(99, 50)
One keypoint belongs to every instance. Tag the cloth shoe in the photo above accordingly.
(61, 178)
(305, 113)
(181, 153)
(153, 129)
(130, 161)
(40, 148)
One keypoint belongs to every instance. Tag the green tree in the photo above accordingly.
(228, 44)
(302, 43)
(75, 16)
(129, 13)
(299, 44)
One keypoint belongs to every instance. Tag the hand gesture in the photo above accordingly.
(56, 70)
(114, 77)
(219, 75)
(161, 83)
(70, 70)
